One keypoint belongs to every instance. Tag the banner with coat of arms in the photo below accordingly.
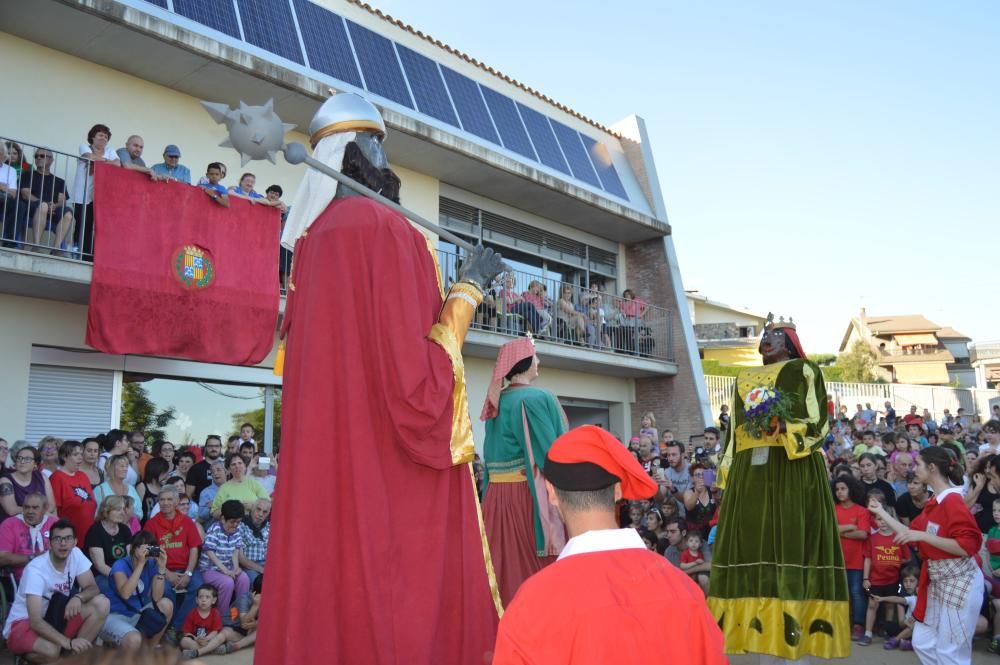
(177, 275)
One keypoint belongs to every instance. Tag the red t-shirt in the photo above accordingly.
(176, 536)
(74, 501)
(854, 550)
(198, 626)
(687, 557)
(887, 559)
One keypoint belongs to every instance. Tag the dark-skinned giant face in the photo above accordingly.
(366, 163)
(774, 346)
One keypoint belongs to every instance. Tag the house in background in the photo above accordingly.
(912, 349)
(985, 361)
(727, 334)
(958, 345)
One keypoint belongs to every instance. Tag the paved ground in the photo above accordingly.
(873, 655)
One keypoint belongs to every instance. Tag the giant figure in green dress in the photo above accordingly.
(778, 584)
(523, 530)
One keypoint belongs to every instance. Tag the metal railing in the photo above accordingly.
(565, 313)
(46, 207)
(901, 395)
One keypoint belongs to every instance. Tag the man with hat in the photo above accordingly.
(171, 168)
(374, 400)
(607, 599)
(778, 584)
(523, 530)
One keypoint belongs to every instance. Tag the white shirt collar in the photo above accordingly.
(603, 540)
(950, 490)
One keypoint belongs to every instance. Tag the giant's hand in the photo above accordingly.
(481, 267)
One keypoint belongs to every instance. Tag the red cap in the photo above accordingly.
(588, 458)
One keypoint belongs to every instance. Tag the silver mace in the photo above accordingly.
(256, 132)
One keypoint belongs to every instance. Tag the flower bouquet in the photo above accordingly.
(765, 408)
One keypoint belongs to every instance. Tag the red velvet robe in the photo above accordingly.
(617, 606)
(375, 554)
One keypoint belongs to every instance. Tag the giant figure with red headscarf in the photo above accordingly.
(377, 551)
(524, 531)
(778, 584)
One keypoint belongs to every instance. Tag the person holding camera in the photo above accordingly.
(140, 611)
(180, 539)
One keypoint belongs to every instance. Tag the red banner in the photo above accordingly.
(176, 274)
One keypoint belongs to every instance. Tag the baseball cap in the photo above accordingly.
(172, 151)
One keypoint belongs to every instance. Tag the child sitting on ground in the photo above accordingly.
(902, 641)
(692, 557)
(884, 558)
(203, 630)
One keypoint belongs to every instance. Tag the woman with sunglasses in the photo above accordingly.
(24, 479)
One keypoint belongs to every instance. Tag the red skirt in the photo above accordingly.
(508, 515)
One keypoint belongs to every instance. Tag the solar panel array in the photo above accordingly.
(356, 55)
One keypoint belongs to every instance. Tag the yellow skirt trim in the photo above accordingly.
(509, 477)
(789, 629)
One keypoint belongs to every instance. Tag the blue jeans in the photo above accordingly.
(859, 601)
(188, 596)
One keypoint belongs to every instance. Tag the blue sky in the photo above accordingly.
(814, 157)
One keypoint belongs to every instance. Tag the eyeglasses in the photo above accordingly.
(62, 539)
(24, 460)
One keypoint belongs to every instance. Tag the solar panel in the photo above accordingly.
(508, 123)
(543, 138)
(379, 65)
(158, 3)
(269, 25)
(326, 42)
(427, 85)
(469, 103)
(601, 160)
(579, 163)
(219, 16)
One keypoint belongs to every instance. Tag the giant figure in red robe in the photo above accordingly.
(377, 553)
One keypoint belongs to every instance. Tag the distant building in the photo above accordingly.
(729, 335)
(984, 358)
(913, 349)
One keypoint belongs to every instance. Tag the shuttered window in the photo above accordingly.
(69, 402)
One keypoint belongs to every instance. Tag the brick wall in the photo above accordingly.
(674, 400)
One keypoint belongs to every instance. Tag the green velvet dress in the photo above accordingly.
(778, 583)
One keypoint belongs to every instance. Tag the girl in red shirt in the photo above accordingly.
(947, 538)
(854, 526)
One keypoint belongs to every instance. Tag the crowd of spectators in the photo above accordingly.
(40, 212)
(586, 317)
(868, 454)
(110, 544)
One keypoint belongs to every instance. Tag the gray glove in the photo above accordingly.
(481, 267)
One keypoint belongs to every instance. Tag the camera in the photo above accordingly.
(153, 552)
(700, 452)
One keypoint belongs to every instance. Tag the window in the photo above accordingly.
(546, 255)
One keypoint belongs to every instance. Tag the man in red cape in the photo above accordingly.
(607, 599)
(377, 553)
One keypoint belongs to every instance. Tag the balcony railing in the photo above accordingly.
(55, 218)
(568, 314)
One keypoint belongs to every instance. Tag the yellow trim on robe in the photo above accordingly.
(487, 557)
(816, 627)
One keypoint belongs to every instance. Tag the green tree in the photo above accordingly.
(139, 412)
(858, 364)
